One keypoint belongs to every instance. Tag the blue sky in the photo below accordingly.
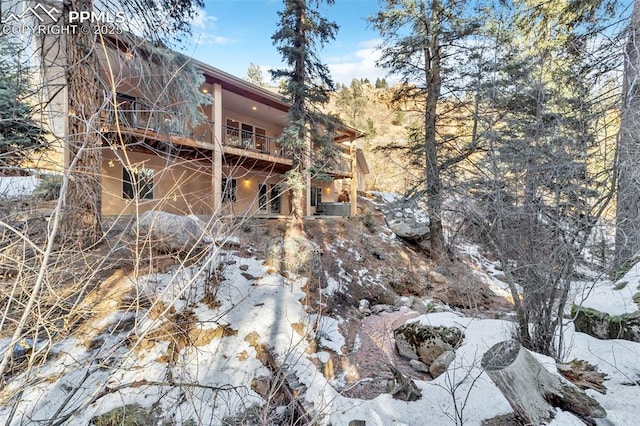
(231, 34)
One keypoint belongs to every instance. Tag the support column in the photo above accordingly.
(353, 196)
(217, 147)
(307, 178)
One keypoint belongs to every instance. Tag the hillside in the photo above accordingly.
(226, 338)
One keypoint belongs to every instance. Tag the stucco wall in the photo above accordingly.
(181, 187)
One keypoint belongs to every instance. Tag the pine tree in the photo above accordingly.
(83, 199)
(20, 135)
(254, 74)
(301, 30)
(627, 242)
(417, 35)
(538, 118)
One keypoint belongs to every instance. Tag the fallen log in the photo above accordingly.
(532, 391)
(279, 383)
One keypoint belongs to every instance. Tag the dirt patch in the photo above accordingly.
(374, 349)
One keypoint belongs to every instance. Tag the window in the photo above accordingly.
(245, 135)
(232, 132)
(125, 106)
(137, 182)
(261, 139)
(229, 190)
(262, 197)
(316, 196)
(275, 199)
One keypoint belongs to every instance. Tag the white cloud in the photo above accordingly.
(211, 39)
(358, 64)
(203, 20)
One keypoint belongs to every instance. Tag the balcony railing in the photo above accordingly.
(171, 123)
(244, 139)
(165, 122)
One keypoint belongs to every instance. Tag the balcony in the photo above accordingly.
(175, 128)
(339, 167)
(251, 141)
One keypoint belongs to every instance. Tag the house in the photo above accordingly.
(201, 143)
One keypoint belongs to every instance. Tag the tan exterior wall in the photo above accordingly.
(181, 187)
(247, 192)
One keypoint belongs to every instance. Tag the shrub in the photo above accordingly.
(49, 188)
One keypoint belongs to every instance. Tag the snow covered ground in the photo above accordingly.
(210, 379)
(606, 296)
(17, 186)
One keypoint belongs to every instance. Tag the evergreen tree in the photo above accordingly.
(254, 74)
(20, 135)
(417, 35)
(538, 117)
(162, 23)
(352, 100)
(301, 31)
(627, 249)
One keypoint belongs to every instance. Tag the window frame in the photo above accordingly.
(138, 183)
(229, 193)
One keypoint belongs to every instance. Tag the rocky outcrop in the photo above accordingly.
(405, 218)
(170, 233)
(431, 346)
(604, 326)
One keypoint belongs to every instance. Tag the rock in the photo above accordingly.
(425, 342)
(244, 267)
(406, 301)
(437, 278)
(440, 364)
(419, 366)
(604, 326)
(171, 233)
(419, 306)
(402, 387)
(377, 309)
(428, 352)
(357, 423)
(407, 220)
(405, 348)
(364, 304)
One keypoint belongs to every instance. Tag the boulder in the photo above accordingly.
(419, 366)
(604, 326)
(407, 220)
(440, 364)
(429, 351)
(169, 233)
(425, 342)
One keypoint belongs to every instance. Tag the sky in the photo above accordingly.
(232, 34)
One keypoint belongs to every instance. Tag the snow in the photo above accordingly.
(328, 332)
(605, 296)
(17, 186)
(387, 197)
(84, 381)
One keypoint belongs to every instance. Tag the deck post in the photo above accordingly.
(216, 178)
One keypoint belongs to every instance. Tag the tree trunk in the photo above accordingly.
(432, 171)
(628, 202)
(531, 390)
(83, 199)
